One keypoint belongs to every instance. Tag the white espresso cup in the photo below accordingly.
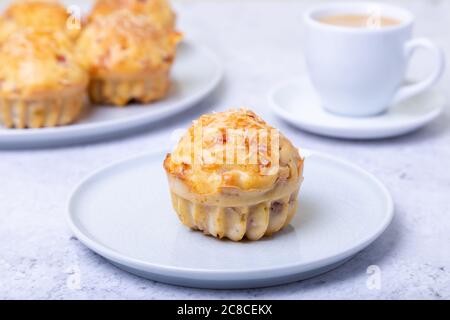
(360, 71)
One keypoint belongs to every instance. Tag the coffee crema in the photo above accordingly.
(359, 20)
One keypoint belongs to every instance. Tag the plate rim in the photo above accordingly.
(360, 131)
(224, 274)
(80, 130)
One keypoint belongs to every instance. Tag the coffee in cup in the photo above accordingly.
(359, 20)
(357, 68)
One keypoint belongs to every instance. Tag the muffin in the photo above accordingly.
(41, 83)
(40, 15)
(159, 11)
(234, 176)
(128, 58)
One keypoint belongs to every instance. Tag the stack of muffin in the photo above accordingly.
(50, 62)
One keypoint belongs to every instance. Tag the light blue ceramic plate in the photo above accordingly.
(124, 213)
(195, 74)
(297, 102)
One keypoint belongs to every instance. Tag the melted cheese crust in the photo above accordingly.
(37, 63)
(124, 44)
(230, 177)
(159, 11)
(41, 15)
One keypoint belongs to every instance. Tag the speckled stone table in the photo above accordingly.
(260, 44)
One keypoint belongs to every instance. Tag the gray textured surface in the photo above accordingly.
(260, 44)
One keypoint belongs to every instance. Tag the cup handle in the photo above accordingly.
(410, 90)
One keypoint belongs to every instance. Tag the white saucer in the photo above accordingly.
(195, 74)
(124, 213)
(297, 102)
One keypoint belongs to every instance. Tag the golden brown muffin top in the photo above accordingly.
(124, 44)
(159, 11)
(235, 149)
(41, 15)
(34, 62)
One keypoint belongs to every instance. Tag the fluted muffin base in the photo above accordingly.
(253, 222)
(120, 91)
(41, 112)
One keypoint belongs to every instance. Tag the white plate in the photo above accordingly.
(297, 102)
(195, 74)
(124, 213)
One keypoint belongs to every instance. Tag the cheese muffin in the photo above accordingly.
(40, 15)
(127, 57)
(232, 175)
(41, 83)
(159, 11)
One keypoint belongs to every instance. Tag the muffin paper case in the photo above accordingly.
(254, 221)
(49, 112)
(230, 199)
(120, 91)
